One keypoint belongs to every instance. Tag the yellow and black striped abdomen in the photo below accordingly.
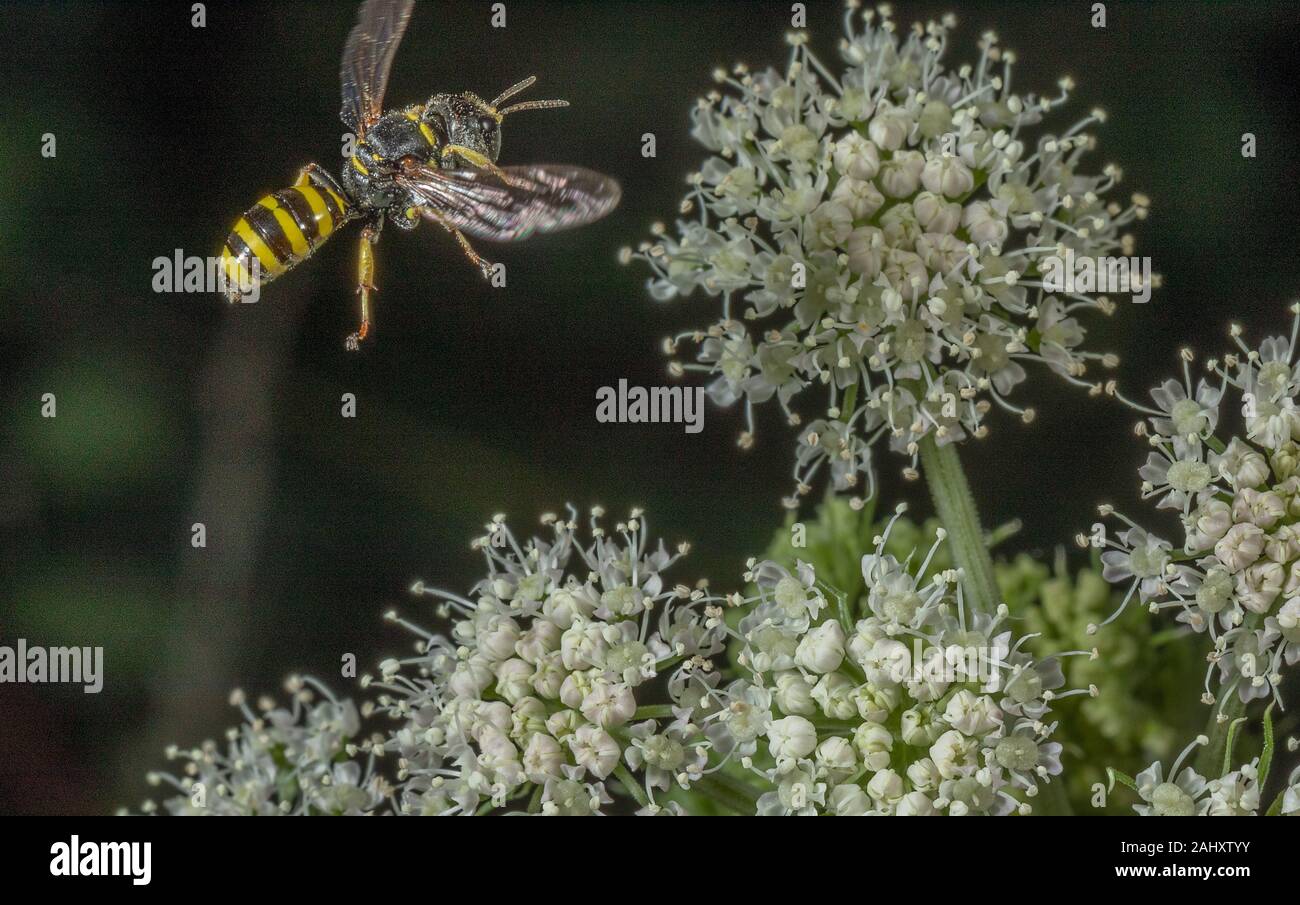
(279, 232)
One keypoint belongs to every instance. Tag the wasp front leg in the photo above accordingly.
(365, 284)
(480, 161)
(483, 264)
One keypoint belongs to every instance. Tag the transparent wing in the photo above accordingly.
(367, 58)
(538, 198)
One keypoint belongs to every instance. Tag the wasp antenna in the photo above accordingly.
(514, 89)
(533, 105)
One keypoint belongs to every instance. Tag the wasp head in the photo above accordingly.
(471, 126)
(467, 122)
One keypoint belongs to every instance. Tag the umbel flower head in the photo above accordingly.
(1185, 793)
(881, 235)
(292, 761)
(911, 706)
(568, 665)
(1237, 793)
(1141, 712)
(573, 673)
(1234, 572)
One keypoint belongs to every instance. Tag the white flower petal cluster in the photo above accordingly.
(540, 693)
(1185, 793)
(883, 234)
(1291, 795)
(1236, 486)
(911, 706)
(280, 761)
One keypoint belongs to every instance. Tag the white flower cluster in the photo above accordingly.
(1185, 793)
(294, 761)
(1291, 795)
(1188, 794)
(911, 707)
(884, 233)
(540, 692)
(1236, 571)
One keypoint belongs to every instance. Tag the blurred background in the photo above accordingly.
(176, 409)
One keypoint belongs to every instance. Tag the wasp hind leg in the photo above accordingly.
(315, 174)
(365, 284)
(483, 264)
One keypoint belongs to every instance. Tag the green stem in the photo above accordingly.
(956, 509)
(724, 796)
(653, 712)
(850, 397)
(1052, 800)
(743, 790)
(631, 785)
(1209, 759)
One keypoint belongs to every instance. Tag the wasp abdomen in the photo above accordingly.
(279, 232)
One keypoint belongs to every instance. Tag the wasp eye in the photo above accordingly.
(487, 123)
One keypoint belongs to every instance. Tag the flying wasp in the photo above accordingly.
(434, 161)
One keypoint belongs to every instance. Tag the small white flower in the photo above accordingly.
(972, 714)
(822, 649)
(947, 176)
(849, 800)
(595, 750)
(836, 756)
(1241, 546)
(856, 158)
(608, 704)
(954, 754)
(886, 788)
(915, 804)
(874, 743)
(543, 758)
(791, 738)
(793, 694)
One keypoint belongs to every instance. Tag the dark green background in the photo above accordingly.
(177, 408)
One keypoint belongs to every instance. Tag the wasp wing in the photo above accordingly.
(538, 198)
(367, 59)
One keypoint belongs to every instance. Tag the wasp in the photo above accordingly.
(435, 161)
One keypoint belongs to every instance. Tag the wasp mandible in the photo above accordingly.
(434, 161)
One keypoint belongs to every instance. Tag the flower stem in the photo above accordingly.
(723, 791)
(1053, 800)
(1209, 760)
(956, 509)
(630, 785)
(653, 712)
(850, 397)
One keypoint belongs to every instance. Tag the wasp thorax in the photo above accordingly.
(471, 125)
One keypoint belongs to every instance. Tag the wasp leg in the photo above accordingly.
(485, 266)
(365, 284)
(482, 162)
(314, 173)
